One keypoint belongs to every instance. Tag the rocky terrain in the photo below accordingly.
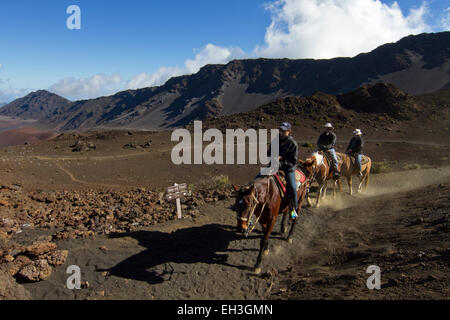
(96, 198)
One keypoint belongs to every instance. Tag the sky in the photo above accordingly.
(139, 43)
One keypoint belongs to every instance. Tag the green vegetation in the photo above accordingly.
(380, 167)
(218, 182)
(412, 166)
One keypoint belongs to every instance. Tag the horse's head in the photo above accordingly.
(245, 201)
(311, 165)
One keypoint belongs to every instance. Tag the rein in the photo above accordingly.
(252, 224)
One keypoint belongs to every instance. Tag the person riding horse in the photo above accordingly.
(355, 148)
(326, 143)
(288, 162)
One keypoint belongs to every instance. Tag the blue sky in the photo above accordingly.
(137, 43)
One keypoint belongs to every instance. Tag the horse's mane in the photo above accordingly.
(319, 158)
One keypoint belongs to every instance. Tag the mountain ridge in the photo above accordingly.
(416, 64)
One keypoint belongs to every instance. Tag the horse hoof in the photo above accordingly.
(290, 240)
(257, 271)
(266, 252)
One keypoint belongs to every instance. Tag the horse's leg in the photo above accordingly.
(291, 232)
(361, 181)
(308, 199)
(324, 192)
(335, 182)
(366, 178)
(339, 185)
(301, 198)
(264, 244)
(319, 194)
(284, 226)
(350, 182)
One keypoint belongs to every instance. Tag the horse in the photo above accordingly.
(348, 169)
(319, 170)
(262, 200)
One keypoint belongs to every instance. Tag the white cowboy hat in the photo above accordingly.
(328, 125)
(357, 132)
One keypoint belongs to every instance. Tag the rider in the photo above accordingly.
(354, 149)
(288, 162)
(326, 143)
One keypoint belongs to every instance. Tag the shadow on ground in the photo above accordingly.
(206, 244)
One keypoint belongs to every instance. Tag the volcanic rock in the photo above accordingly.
(36, 271)
(39, 248)
(57, 257)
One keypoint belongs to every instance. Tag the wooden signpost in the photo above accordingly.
(176, 192)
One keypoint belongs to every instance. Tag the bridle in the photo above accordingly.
(252, 224)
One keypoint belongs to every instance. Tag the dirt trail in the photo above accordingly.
(74, 179)
(94, 158)
(206, 259)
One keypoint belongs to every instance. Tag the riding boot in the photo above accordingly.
(336, 173)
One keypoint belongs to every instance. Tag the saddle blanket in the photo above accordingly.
(364, 160)
(281, 181)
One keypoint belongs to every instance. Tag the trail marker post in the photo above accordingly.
(176, 192)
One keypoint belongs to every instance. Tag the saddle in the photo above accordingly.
(280, 180)
(328, 158)
(364, 159)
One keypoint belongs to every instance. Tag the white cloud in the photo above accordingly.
(333, 28)
(98, 85)
(8, 93)
(87, 88)
(446, 20)
(143, 80)
(210, 54)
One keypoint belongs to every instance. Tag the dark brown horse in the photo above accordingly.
(261, 201)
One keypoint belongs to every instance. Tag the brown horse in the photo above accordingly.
(319, 170)
(262, 201)
(348, 169)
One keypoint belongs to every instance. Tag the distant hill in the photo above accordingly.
(36, 105)
(379, 105)
(416, 65)
(2, 104)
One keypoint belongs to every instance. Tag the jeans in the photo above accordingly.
(332, 153)
(292, 187)
(358, 160)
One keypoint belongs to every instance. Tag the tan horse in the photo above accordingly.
(318, 169)
(348, 169)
